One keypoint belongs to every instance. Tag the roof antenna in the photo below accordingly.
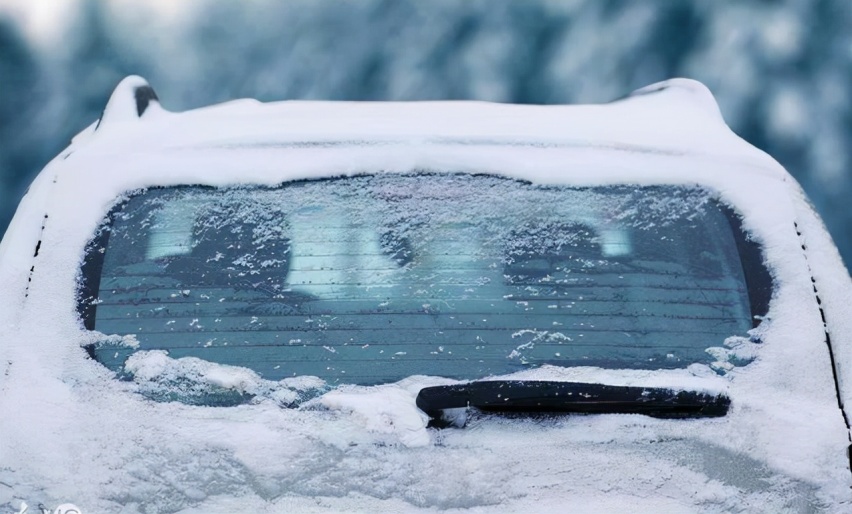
(144, 95)
(132, 91)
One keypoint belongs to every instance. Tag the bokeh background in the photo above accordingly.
(781, 70)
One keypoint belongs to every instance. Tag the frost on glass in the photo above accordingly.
(372, 279)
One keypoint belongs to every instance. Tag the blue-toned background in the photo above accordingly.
(781, 70)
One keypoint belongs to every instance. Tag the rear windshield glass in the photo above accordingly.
(372, 279)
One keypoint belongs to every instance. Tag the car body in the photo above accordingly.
(145, 433)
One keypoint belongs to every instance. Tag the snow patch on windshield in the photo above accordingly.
(382, 409)
(197, 381)
(697, 377)
(96, 339)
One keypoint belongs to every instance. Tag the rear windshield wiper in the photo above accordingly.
(514, 396)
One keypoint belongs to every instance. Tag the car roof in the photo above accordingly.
(675, 117)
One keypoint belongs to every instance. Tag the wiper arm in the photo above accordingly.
(570, 397)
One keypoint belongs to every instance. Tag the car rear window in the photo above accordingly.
(371, 279)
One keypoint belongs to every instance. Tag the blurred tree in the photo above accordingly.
(95, 61)
(781, 70)
(19, 148)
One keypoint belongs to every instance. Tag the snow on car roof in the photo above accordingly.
(371, 448)
(676, 116)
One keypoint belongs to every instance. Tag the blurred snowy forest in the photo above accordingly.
(781, 70)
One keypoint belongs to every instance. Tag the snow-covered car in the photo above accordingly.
(328, 306)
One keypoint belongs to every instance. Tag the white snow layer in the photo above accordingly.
(70, 432)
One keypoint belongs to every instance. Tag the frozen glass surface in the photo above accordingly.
(371, 279)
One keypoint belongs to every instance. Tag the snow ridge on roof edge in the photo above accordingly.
(679, 114)
(690, 90)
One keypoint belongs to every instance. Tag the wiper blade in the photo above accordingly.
(570, 397)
